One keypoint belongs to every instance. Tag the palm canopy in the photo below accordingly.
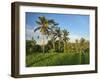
(65, 35)
(82, 40)
(52, 28)
(43, 25)
(76, 40)
(58, 32)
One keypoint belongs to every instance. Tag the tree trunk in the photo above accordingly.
(43, 44)
(53, 45)
(59, 44)
(64, 47)
(76, 47)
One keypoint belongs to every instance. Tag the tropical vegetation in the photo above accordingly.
(58, 50)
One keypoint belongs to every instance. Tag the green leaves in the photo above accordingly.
(37, 29)
(55, 59)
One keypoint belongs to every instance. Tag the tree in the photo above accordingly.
(53, 33)
(82, 42)
(76, 45)
(29, 45)
(58, 35)
(44, 27)
(65, 39)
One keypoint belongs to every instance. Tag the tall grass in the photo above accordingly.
(56, 59)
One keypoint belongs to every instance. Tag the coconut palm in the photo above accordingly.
(82, 50)
(44, 27)
(58, 35)
(76, 45)
(65, 39)
(82, 42)
(53, 33)
(53, 39)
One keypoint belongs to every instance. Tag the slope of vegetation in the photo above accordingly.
(56, 59)
(58, 50)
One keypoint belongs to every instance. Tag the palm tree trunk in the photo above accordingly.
(76, 46)
(43, 44)
(59, 44)
(64, 47)
(53, 44)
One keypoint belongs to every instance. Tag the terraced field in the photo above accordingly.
(56, 59)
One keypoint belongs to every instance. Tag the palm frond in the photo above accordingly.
(38, 22)
(42, 19)
(37, 29)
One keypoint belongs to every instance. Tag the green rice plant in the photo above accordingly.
(56, 59)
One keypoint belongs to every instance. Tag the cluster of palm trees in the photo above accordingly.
(58, 38)
(50, 28)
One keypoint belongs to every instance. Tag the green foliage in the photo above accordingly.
(44, 27)
(55, 59)
(58, 50)
(29, 45)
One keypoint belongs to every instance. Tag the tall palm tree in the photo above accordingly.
(44, 27)
(65, 39)
(53, 33)
(53, 39)
(58, 35)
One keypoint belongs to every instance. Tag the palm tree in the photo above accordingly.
(53, 33)
(76, 45)
(53, 39)
(58, 35)
(65, 39)
(82, 42)
(44, 27)
(82, 50)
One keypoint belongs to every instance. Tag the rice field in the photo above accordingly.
(56, 59)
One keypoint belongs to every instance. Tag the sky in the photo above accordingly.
(77, 25)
